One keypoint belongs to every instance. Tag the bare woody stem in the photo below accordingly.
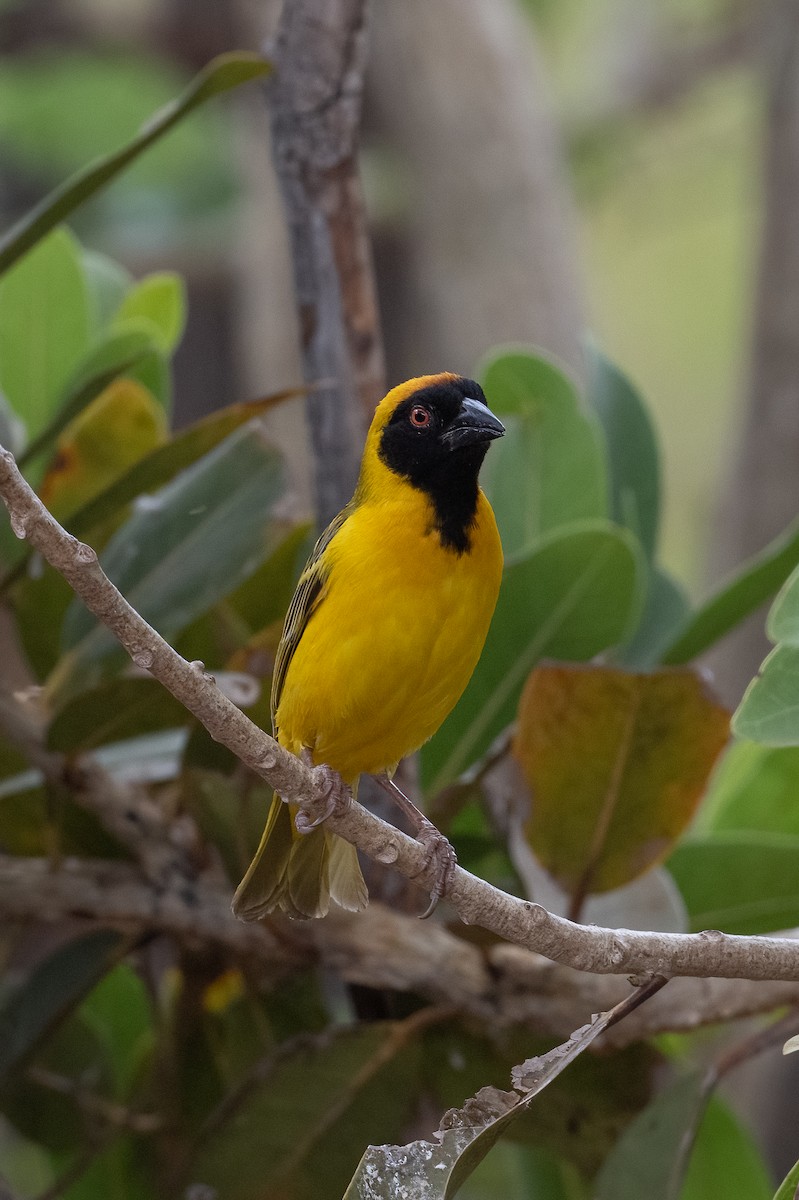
(315, 107)
(500, 985)
(590, 948)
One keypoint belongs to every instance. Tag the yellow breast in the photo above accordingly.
(394, 640)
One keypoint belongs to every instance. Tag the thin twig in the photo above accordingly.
(117, 1116)
(125, 811)
(756, 1043)
(643, 992)
(734, 1056)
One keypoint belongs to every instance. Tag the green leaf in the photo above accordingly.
(44, 328)
(12, 759)
(115, 355)
(156, 469)
(25, 815)
(28, 1169)
(183, 550)
(163, 464)
(159, 299)
(550, 443)
(783, 620)
(153, 370)
(228, 815)
(666, 609)
(101, 368)
(739, 882)
(51, 990)
(757, 580)
(524, 1173)
(62, 105)
(52, 1119)
(107, 282)
(309, 1111)
(769, 710)
(112, 712)
(220, 75)
(40, 602)
(626, 755)
(437, 1169)
(123, 424)
(754, 787)
(632, 449)
(606, 1090)
(725, 1161)
(264, 597)
(649, 1157)
(244, 630)
(119, 1171)
(575, 594)
(119, 1013)
(790, 1185)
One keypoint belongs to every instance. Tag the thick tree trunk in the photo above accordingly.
(487, 251)
(315, 106)
(763, 494)
(483, 252)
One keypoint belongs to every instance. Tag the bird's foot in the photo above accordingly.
(440, 852)
(440, 855)
(333, 796)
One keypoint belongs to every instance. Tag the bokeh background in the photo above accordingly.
(532, 169)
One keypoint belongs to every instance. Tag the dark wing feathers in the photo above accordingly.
(306, 597)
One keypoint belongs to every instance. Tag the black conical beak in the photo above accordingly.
(474, 423)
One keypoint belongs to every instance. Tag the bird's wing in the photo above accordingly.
(306, 597)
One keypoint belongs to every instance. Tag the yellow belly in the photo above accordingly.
(394, 640)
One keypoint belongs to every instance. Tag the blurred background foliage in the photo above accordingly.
(667, 187)
(175, 280)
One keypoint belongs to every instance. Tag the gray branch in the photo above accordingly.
(587, 948)
(315, 105)
(500, 985)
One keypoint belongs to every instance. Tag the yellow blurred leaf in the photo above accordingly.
(119, 427)
(616, 763)
(223, 991)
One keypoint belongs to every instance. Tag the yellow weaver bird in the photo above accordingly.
(385, 628)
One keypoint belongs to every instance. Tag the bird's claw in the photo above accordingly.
(333, 796)
(440, 854)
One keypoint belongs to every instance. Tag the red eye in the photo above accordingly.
(420, 417)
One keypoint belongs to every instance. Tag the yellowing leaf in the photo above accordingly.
(112, 433)
(616, 763)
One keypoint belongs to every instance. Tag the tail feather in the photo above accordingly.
(299, 874)
(347, 886)
(308, 891)
(263, 886)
